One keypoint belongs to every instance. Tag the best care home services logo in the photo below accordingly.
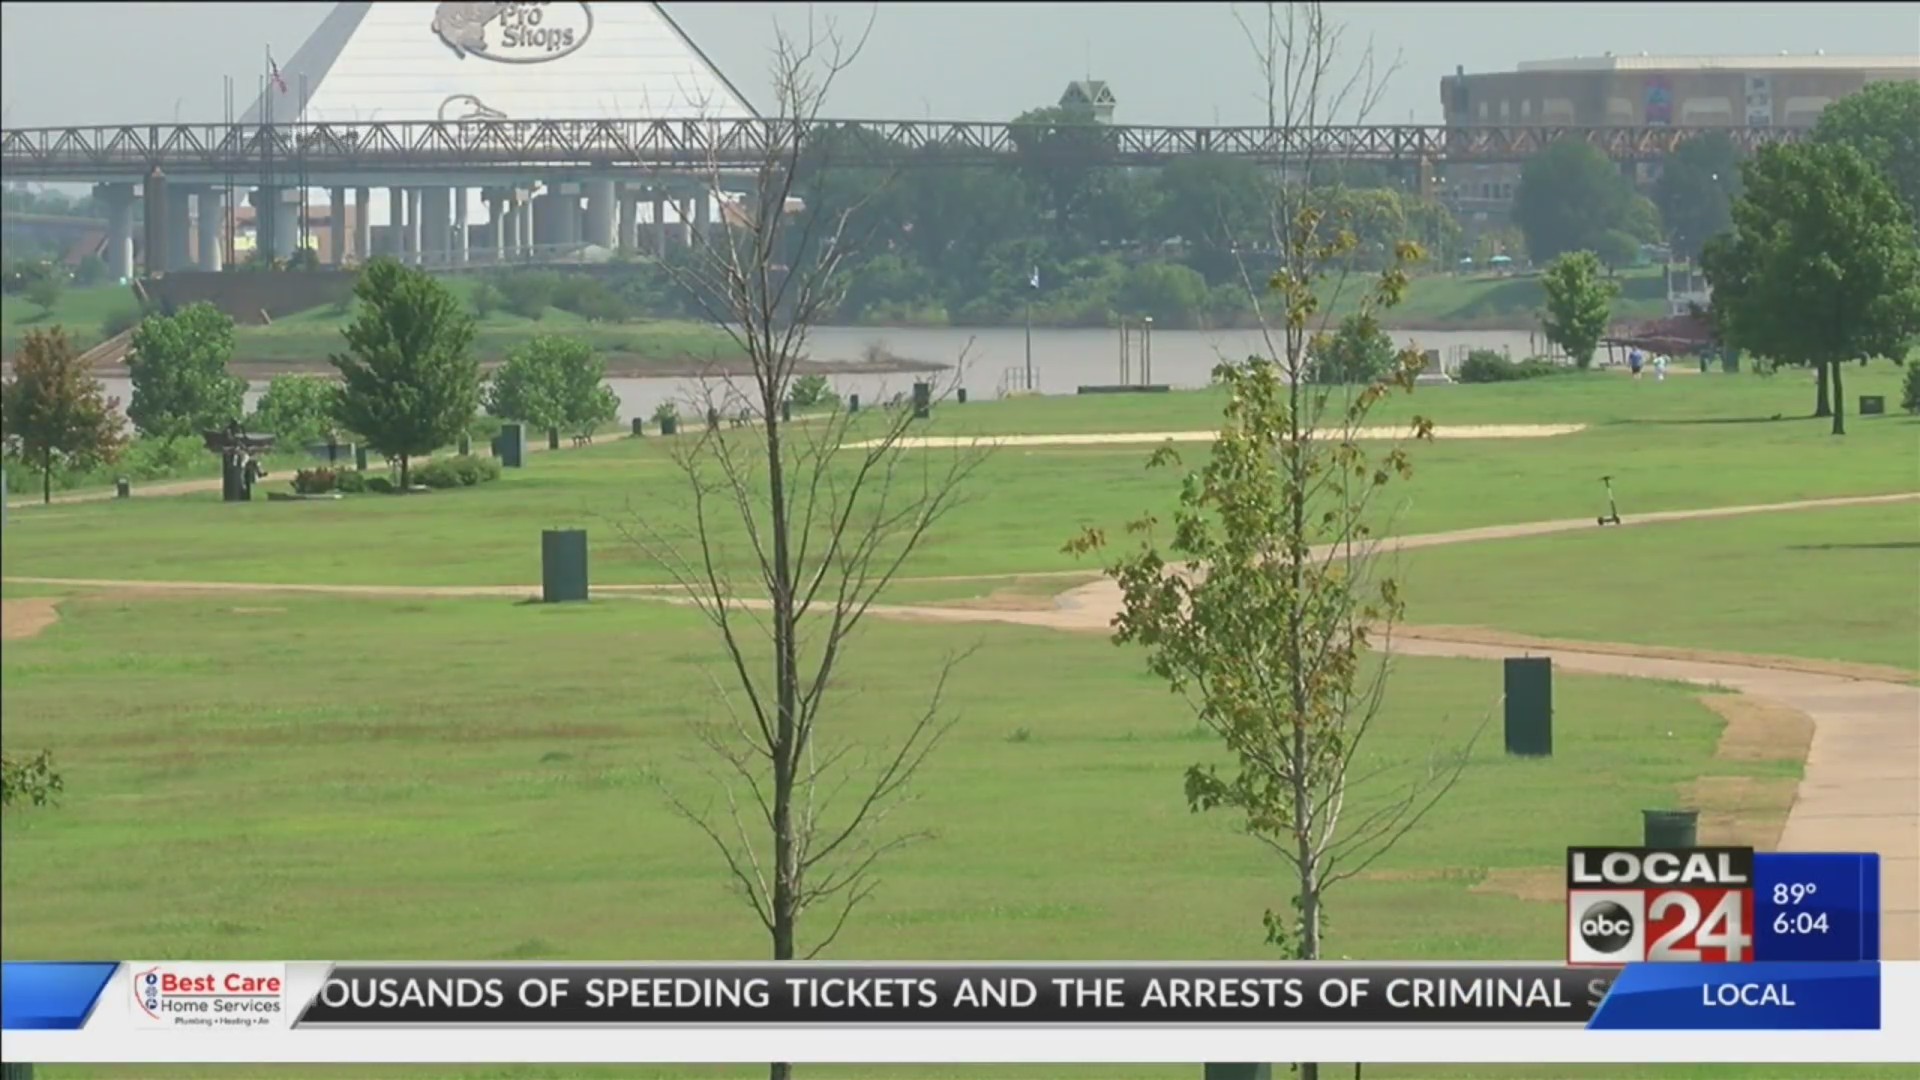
(210, 995)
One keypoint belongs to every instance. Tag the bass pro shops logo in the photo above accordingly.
(532, 32)
(209, 995)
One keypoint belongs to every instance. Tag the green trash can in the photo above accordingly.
(639, 425)
(563, 565)
(960, 396)
(553, 438)
(922, 400)
(359, 459)
(853, 403)
(1529, 706)
(1671, 828)
(14, 1070)
(510, 446)
(669, 425)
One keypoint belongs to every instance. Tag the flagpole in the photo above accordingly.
(1034, 283)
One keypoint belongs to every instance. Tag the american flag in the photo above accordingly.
(273, 72)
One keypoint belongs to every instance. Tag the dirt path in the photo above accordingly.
(1860, 790)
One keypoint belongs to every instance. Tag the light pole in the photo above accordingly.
(1029, 343)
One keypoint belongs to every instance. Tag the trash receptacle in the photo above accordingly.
(563, 565)
(122, 488)
(1529, 705)
(1671, 828)
(922, 400)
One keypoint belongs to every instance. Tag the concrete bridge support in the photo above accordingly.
(659, 225)
(337, 226)
(600, 215)
(629, 219)
(689, 221)
(276, 221)
(522, 246)
(495, 247)
(461, 231)
(396, 222)
(362, 224)
(119, 202)
(212, 211)
(179, 240)
(410, 237)
(436, 242)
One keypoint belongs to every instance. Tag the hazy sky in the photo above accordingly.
(94, 63)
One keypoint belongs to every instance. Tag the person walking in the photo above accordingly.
(1635, 359)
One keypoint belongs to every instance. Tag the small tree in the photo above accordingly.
(554, 382)
(1359, 352)
(179, 369)
(813, 391)
(1820, 269)
(1579, 301)
(412, 384)
(54, 407)
(45, 291)
(29, 781)
(299, 408)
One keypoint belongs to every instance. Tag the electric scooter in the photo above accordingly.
(1613, 512)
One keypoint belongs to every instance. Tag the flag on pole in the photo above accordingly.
(273, 72)
(1034, 279)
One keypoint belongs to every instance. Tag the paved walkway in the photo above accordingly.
(1860, 790)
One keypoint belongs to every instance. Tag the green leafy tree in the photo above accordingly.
(553, 382)
(299, 409)
(1882, 122)
(44, 292)
(1210, 202)
(29, 781)
(412, 383)
(92, 270)
(1059, 154)
(1579, 302)
(1174, 295)
(1358, 352)
(1616, 250)
(179, 371)
(53, 408)
(1569, 195)
(813, 391)
(1820, 269)
(1695, 191)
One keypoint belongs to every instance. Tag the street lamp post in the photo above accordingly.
(1146, 351)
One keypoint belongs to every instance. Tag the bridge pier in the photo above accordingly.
(362, 224)
(659, 224)
(210, 210)
(436, 245)
(118, 200)
(179, 232)
(337, 226)
(410, 237)
(629, 218)
(461, 227)
(600, 214)
(687, 223)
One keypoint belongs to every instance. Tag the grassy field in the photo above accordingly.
(1830, 584)
(1484, 300)
(1022, 505)
(283, 776)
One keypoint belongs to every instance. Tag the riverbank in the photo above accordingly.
(625, 366)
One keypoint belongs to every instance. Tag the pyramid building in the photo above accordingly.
(399, 61)
(393, 62)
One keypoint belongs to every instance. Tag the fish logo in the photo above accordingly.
(513, 33)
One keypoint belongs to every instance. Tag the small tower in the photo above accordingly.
(1089, 99)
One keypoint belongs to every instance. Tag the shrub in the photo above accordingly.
(459, 470)
(29, 781)
(1485, 366)
(1359, 352)
(352, 483)
(45, 292)
(813, 391)
(315, 481)
(666, 410)
(92, 270)
(379, 485)
(487, 298)
(121, 319)
(1910, 388)
(298, 409)
(527, 293)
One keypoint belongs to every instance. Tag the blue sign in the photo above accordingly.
(52, 996)
(1816, 907)
(1742, 997)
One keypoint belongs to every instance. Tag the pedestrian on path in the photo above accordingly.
(1635, 359)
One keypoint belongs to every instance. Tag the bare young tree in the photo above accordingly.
(797, 525)
(1263, 604)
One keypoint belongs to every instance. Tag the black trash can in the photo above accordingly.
(639, 426)
(553, 438)
(359, 459)
(960, 396)
(122, 488)
(510, 446)
(669, 425)
(1529, 706)
(1671, 828)
(853, 403)
(922, 400)
(563, 565)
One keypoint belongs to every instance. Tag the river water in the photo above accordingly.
(987, 359)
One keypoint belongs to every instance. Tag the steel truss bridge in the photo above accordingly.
(515, 147)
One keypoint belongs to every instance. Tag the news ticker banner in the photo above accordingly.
(1721, 905)
(271, 1012)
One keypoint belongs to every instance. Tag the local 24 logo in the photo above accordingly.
(1627, 905)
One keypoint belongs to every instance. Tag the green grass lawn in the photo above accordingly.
(297, 776)
(1834, 584)
(1021, 506)
(1480, 299)
(80, 310)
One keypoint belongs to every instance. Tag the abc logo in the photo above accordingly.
(1606, 927)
